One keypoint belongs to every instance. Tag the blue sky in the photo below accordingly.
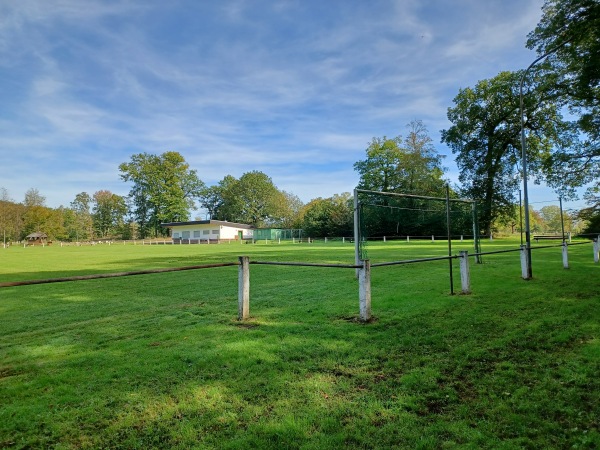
(295, 88)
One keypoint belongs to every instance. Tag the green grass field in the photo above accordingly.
(160, 361)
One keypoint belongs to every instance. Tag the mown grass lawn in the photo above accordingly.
(160, 361)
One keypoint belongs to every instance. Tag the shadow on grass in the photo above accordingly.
(160, 361)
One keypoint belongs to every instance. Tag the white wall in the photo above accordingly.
(208, 231)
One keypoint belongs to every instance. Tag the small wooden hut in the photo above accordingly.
(37, 238)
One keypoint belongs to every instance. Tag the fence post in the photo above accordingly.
(364, 290)
(465, 275)
(524, 265)
(244, 288)
(565, 255)
(596, 249)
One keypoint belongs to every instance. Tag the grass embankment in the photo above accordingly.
(159, 361)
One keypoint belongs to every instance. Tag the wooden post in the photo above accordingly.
(364, 291)
(524, 264)
(465, 275)
(244, 288)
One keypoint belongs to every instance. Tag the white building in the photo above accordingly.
(208, 230)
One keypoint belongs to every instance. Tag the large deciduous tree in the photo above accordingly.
(328, 217)
(164, 188)
(569, 32)
(80, 223)
(409, 166)
(485, 137)
(108, 213)
(11, 217)
(252, 199)
(212, 198)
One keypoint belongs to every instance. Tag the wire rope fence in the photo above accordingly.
(363, 270)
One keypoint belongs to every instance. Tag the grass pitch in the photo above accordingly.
(160, 361)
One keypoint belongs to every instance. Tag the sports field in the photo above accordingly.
(160, 361)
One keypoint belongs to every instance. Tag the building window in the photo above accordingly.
(205, 231)
(185, 235)
(215, 232)
(196, 233)
(176, 235)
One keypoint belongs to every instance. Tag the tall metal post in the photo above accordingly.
(521, 216)
(476, 246)
(562, 220)
(524, 158)
(528, 273)
(356, 233)
(449, 239)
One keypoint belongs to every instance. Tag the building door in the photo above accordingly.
(240, 235)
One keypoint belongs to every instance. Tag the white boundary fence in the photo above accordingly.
(364, 273)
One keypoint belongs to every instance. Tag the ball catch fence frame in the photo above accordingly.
(360, 239)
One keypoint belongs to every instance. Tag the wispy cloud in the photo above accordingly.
(293, 88)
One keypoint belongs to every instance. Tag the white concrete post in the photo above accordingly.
(465, 273)
(384, 240)
(461, 238)
(343, 240)
(432, 238)
(244, 288)
(569, 234)
(524, 264)
(565, 255)
(364, 291)
(407, 238)
(596, 249)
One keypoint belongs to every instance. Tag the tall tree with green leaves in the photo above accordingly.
(212, 198)
(569, 32)
(329, 217)
(485, 137)
(36, 213)
(408, 166)
(163, 190)
(81, 223)
(252, 199)
(11, 217)
(109, 211)
(290, 207)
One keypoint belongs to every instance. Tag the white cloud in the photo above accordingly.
(294, 88)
